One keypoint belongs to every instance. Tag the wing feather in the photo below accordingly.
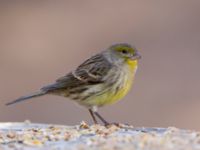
(90, 72)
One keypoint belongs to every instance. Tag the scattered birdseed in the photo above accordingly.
(32, 136)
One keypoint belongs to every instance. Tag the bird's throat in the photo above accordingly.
(132, 64)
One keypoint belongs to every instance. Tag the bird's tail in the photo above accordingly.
(23, 98)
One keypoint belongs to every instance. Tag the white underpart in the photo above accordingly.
(94, 108)
(94, 89)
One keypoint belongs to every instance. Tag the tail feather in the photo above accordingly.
(23, 98)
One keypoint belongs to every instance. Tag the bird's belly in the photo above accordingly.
(112, 95)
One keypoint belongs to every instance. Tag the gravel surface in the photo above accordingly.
(30, 136)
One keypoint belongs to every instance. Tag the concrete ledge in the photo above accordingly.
(32, 136)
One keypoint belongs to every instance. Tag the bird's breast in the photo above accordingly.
(123, 84)
(115, 87)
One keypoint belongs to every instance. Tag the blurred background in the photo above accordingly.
(41, 41)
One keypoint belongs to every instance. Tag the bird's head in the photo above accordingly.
(125, 52)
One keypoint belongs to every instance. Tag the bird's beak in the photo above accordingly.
(136, 57)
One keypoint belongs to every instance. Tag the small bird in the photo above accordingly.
(102, 79)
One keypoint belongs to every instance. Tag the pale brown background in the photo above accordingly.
(43, 40)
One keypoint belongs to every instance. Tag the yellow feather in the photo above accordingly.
(128, 81)
(111, 97)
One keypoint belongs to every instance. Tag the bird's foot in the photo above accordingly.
(111, 124)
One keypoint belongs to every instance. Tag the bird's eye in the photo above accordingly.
(124, 51)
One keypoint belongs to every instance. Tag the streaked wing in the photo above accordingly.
(90, 72)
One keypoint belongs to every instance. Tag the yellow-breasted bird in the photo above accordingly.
(100, 80)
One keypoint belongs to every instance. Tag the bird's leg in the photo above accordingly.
(101, 118)
(93, 117)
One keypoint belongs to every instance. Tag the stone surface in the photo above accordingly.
(32, 136)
